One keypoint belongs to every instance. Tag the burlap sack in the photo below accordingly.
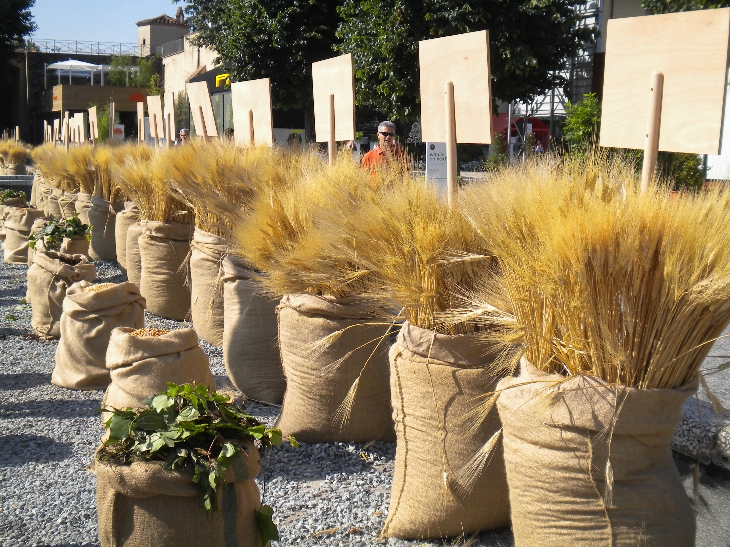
(44, 192)
(5, 208)
(132, 257)
(37, 180)
(317, 384)
(86, 325)
(76, 245)
(52, 208)
(67, 204)
(142, 366)
(38, 225)
(82, 205)
(102, 218)
(163, 247)
(124, 219)
(435, 380)
(18, 224)
(557, 437)
(50, 275)
(250, 327)
(206, 297)
(145, 505)
(14, 169)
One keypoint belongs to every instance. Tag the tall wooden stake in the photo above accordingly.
(112, 116)
(451, 159)
(92, 130)
(202, 120)
(651, 148)
(168, 131)
(157, 137)
(332, 143)
(250, 127)
(66, 130)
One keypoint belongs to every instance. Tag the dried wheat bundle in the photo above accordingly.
(52, 160)
(13, 152)
(632, 288)
(142, 178)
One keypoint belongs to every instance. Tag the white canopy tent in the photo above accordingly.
(82, 68)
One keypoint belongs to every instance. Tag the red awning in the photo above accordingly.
(499, 125)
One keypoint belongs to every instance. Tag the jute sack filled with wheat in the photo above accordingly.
(145, 505)
(67, 203)
(589, 463)
(132, 257)
(124, 220)
(43, 193)
(163, 248)
(51, 207)
(83, 205)
(18, 224)
(250, 327)
(38, 225)
(435, 381)
(6, 206)
(325, 346)
(37, 179)
(141, 362)
(49, 277)
(102, 218)
(206, 297)
(90, 313)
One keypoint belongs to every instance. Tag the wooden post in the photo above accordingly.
(156, 136)
(202, 121)
(65, 130)
(332, 144)
(17, 133)
(651, 148)
(112, 116)
(250, 127)
(93, 133)
(451, 159)
(168, 131)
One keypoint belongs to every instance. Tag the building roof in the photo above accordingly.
(162, 20)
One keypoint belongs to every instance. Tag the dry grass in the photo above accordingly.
(12, 152)
(52, 161)
(601, 279)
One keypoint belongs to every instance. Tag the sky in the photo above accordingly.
(95, 20)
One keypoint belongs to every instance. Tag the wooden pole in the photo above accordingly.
(653, 122)
(451, 159)
(112, 116)
(332, 144)
(17, 133)
(93, 133)
(202, 121)
(65, 131)
(157, 137)
(250, 128)
(168, 131)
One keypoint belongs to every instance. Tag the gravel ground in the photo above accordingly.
(322, 494)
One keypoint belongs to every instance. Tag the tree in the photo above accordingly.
(277, 39)
(529, 41)
(16, 22)
(671, 6)
(582, 124)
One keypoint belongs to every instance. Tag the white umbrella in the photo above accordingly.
(77, 68)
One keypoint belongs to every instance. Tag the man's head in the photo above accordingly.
(184, 135)
(386, 134)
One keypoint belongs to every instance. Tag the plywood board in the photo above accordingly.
(154, 111)
(141, 137)
(254, 95)
(170, 114)
(200, 98)
(93, 123)
(464, 60)
(334, 77)
(691, 50)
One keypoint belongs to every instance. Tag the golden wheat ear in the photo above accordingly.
(463, 482)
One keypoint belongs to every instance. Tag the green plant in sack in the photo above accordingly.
(54, 231)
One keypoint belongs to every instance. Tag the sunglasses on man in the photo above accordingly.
(386, 134)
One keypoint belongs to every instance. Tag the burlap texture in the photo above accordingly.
(77, 245)
(37, 180)
(102, 218)
(39, 244)
(316, 385)
(163, 247)
(83, 204)
(44, 192)
(557, 437)
(86, 325)
(132, 257)
(250, 327)
(51, 207)
(124, 219)
(145, 505)
(18, 224)
(13, 169)
(5, 208)
(142, 366)
(49, 277)
(435, 380)
(67, 204)
(206, 295)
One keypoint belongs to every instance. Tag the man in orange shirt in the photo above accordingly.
(386, 151)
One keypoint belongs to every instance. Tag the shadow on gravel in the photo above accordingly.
(23, 380)
(57, 409)
(21, 449)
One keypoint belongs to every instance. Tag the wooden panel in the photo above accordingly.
(78, 121)
(254, 95)
(78, 97)
(464, 60)
(154, 111)
(93, 123)
(691, 50)
(199, 97)
(334, 76)
(170, 113)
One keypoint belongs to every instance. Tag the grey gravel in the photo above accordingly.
(322, 494)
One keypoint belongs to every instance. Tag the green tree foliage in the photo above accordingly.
(582, 124)
(529, 41)
(145, 75)
(671, 6)
(277, 39)
(16, 22)
(102, 120)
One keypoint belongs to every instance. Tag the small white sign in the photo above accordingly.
(119, 131)
(436, 167)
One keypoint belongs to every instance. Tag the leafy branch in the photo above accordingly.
(54, 231)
